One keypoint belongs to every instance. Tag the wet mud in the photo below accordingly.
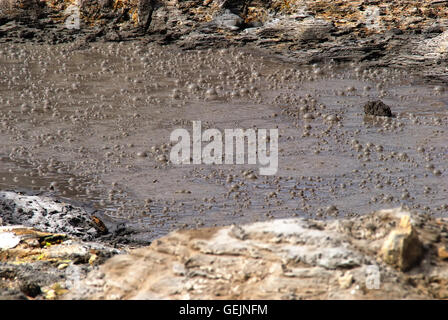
(93, 125)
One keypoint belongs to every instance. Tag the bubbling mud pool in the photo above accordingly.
(93, 125)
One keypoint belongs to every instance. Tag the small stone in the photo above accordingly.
(443, 293)
(92, 259)
(54, 291)
(162, 158)
(50, 295)
(252, 176)
(62, 266)
(308, 116)
(30, 289)
(439, 89)
(345, 281)
(179, 269)
(332, 118)
(442, 252)
(211, 93)
(8, 240)
(331, 209)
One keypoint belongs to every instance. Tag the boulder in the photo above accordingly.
(402, 248)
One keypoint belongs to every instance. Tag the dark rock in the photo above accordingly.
(255, 24)
(396, 31)
(377, 108)
(433, 29)
(112, 35)
(26, 34)
(145, 10)
(30, 289)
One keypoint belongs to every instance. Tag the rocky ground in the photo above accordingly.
(52, 248)
(390, 254)
(40, 265)
(47, 246)
(402, 33)
(285, 259)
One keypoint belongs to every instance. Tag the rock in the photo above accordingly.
(44, 214)
(309, 31)
(278, 259)
(345, 281)
(442, 252)
(433, 29)
(315, 29)
(30, 289)
(9, 5)
(20, 10)
(402, 248)
(42, 264)
(8, 240)
(145, 10)
(377, 108)
(302, 30)
(53, 216)
(435, 47)
(228, 20)
(113, 35)
(12, 295)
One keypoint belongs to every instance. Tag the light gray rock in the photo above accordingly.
(228, 20)
(303, 30)
(8, 240)
(45, 214)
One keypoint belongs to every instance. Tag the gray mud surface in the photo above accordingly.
(92, 125)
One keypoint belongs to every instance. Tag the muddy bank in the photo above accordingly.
(400, 33)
